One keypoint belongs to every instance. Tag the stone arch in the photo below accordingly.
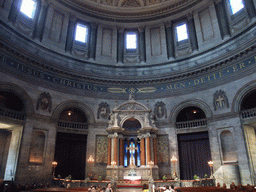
(196, 103)
(66, 104)
(130, 117)
(29, 107)
(241, 93)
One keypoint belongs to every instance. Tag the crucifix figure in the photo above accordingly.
(220, 101)
(132, 150)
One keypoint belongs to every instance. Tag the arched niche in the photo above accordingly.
(241, 95)
(73, 114)
(37, 147)
(190, 113)
(227, 147)
(131, 124)
(74, 104)
(249, 100)
(190, 103)
(19, 92)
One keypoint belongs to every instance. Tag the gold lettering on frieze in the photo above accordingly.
(196, 81)
(29, 71)
(146, 90)
(242, 65)
(220, 73)
(69, 83)
(78, 85)
(214, 76)
(208, 77)
(235, 68)
(41, 75)
(55, 79)
(169, 86)
(95, 88)
(62, 82)
(202, 80)
(182, 85)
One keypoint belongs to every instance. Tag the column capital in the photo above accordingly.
(168, 24)
(72, 17)
(141, 29)
(189, 16)
(113, 135)
(44, 3)
(120, 30)
(94, 25)
(145, 135)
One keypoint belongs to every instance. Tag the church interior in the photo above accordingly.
(127, 92)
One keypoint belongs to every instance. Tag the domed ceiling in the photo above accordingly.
(138, 10)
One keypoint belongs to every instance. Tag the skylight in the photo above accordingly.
(236, 5)
(131, 41)
(28, 7)
(81, 33)
(182, 33)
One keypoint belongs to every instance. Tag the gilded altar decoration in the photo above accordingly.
(220, 100)
(44, 102)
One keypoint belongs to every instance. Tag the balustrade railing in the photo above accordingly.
(248, 113)
(12, 114)
(191, 124)
(72, 125)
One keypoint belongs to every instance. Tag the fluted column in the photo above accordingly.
(121, 149)
(14, 11)
(41, 20)
(109, 151)
(148, 146)
(120, 45)
(222, 18)
(115, 148)
(169, 40)
(192, 32)
(142, 151)
(155, 151)
(69, 40)
(250, 8)
(92, 47)
(142, 44)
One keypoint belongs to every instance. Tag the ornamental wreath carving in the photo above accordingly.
(160, 110)
(103, 111)
(44, 102)
(220, 100)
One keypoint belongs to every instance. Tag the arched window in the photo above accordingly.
(249, 101)
(73, 114)
(10, 100)
(189, 114)
(228, 147)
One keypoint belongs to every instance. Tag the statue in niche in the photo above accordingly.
(160, 110)
(220, 100)
(103, 111)
(44, 102)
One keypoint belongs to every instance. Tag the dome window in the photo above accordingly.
(182, 33)
(81, 33)
(28, 7)
(131, 40)
(236, 5)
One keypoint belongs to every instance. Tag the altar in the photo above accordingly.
(144, 173)
(132, 145)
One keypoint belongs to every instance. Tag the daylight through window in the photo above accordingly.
(81, 33)
(28, 7)
(236, 5)
(182, 33)
(131, 41)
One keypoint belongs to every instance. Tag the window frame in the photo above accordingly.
(78, 44)
(86, 35)
(131, 51)
(34, 14)
(182, 42)
(230, 8)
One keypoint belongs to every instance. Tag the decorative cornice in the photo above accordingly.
(111, 12)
